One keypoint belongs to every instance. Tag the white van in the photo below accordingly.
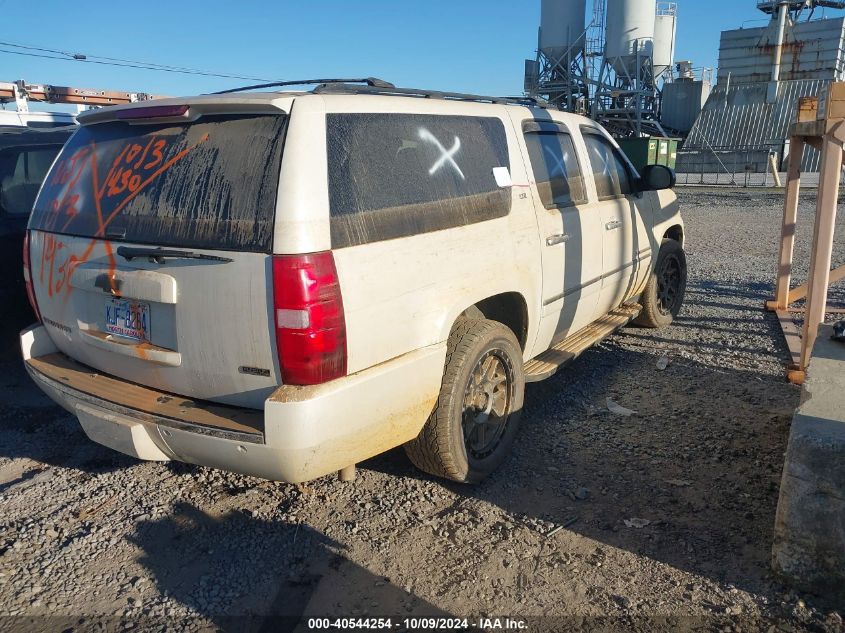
(286, 284)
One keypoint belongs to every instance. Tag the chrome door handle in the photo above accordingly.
(554, 240)
(612, 226)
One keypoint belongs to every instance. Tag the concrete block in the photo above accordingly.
(809, 542)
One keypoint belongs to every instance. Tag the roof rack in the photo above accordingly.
(20, 92)
(369, 81)
(345, 88)
(374, 86)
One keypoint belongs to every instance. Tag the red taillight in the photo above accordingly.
(27, 277)
(308, 317)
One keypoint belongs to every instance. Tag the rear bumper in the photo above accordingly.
(307, 432)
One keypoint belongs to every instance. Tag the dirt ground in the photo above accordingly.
(660, 521)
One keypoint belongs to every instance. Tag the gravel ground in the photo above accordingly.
(656, 522)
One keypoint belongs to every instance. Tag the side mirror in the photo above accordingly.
(657, 178)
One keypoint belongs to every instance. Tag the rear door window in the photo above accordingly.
(395, 175)
(609, 170)
(556, 169)
(205, 184)
(22, 171)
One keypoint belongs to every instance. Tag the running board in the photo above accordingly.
(547, 363)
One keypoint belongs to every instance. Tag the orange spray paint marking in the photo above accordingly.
(118, 180)
(146, 182)
(144, 155)
(48, 257)
(65, 270)
(157, 155)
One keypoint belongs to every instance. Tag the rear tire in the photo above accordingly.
(476, 418)
(664, 292)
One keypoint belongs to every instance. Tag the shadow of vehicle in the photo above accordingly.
(248, 574)
(691, 480)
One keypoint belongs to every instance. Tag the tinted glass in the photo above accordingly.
(556, 168)
(38, 161)
(609, 170)
(208, 184)
(21, 173)
(395, 175)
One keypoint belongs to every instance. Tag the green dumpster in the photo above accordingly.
(650, 150)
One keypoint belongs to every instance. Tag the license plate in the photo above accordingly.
(129, 319)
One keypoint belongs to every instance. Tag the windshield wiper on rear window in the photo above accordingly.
(158, 255)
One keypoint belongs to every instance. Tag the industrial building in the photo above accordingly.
(614, 60)
(763, 71)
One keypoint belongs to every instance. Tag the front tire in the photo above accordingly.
(666, 287)
(476, 418)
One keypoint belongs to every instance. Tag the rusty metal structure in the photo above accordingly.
(763, 72)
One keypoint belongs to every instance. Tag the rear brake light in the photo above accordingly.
(308, 318)
(27, 277)
(153, 112)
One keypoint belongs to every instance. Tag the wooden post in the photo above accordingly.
(819, 279)
(790, 218)
(773, 166)
(822, 127)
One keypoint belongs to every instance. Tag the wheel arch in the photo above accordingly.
(675, 232)
(508, 308)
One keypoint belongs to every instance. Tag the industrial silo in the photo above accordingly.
(664, 38)
(562, 27)
(629, 34)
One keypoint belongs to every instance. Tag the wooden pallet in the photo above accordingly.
(547, 363)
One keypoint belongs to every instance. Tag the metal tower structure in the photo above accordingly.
(614, 84)
(626, 101)
(561, 70)
(797, 7)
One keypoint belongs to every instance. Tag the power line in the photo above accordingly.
(115, 61)
(83, 57)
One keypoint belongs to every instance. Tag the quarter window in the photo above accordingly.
(609, 170)
(556, 168)
(396, 175)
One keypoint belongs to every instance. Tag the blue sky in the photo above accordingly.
(462, 45)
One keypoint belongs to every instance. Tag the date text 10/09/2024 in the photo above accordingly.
(417, 624)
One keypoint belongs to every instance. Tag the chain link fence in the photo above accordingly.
(739, 167)
(728, 166)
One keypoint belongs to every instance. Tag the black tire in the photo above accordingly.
(451, 445)
(664, 292)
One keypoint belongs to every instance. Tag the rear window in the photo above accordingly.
(207, 184)
(395, 175)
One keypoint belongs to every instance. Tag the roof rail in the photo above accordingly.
(345, 88)
(535, 101)
(369, 81)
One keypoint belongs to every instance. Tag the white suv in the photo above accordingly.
(285, 284)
